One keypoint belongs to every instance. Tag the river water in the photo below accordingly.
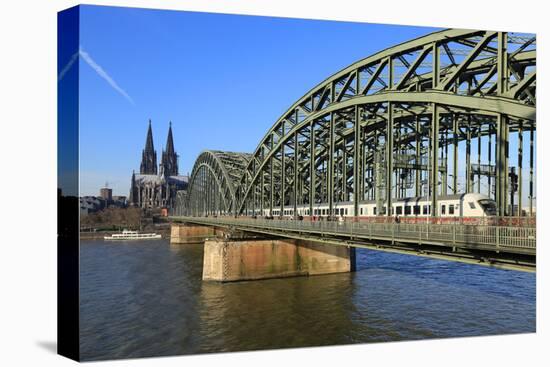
(143, 299)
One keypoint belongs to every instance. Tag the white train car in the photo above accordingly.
(449, 206)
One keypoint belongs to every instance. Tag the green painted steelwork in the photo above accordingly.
(471, 83)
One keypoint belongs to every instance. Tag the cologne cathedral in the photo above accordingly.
(156, 187)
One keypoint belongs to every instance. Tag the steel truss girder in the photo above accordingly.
(325, 124)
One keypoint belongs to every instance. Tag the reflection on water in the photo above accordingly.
(147, 299)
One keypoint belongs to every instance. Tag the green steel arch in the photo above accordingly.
(382, 128)
(440, 90)
(213, 182)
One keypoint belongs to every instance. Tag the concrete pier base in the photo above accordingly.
(250, 259)
(181, 234)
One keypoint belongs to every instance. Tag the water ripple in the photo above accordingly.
(147, 299)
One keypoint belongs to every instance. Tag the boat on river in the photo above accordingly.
(132, 235)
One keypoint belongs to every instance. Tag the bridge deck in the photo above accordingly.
(515, 245)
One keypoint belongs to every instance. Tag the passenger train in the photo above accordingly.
(463, 205)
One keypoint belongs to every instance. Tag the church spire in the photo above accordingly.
(170, 141)
(169, 156)
(149, 155)
(149, 147)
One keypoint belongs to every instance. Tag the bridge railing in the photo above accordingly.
(455, 234)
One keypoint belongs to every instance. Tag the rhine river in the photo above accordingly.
(141, 299)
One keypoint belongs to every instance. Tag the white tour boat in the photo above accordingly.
(132, 235)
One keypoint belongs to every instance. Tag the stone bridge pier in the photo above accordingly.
(233, 256)
(181, 234)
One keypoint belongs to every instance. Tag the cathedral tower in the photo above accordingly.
(169, 156)
(149, 155)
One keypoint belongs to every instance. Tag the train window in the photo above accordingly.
(425, 209)
(399, 210)
(472, 205)
(361, 211)
(383, 211)
(488, 206)
(374, 211)
(451, 209)
(408, 210)
(416, 209)
(346, 211)
(443, 209)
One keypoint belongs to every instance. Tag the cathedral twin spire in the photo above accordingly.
(169, 160)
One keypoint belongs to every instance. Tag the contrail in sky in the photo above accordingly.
(68, 66)
(98, 69)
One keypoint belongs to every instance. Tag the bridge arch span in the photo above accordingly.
(213, 182)
(431, 116)
(442, 90)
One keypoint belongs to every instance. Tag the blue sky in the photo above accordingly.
(222, 80)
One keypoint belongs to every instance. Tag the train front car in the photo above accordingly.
(478, 205)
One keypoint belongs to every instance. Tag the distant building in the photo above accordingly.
(94, 204)
(91, 204)
(120, 201)
(152, 187)
(106, 193)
